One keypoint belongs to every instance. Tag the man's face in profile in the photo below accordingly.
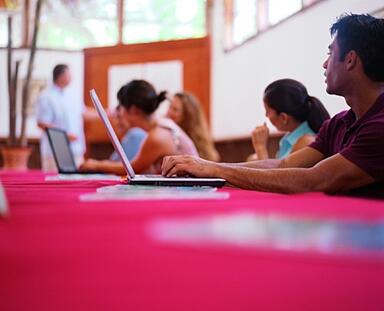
(335, 72)
(65, 78)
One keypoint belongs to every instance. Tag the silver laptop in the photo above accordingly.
(157, 180)
(62, 153)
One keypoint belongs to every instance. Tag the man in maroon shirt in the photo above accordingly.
(348, 153)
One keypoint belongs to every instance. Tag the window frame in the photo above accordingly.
(26, 12)
(208, 4)
(262, 23)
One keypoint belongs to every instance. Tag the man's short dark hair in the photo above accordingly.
(363, 34)
(58, 71)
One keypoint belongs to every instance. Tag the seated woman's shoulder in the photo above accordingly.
(167, 123)
(166, 128)
(307, 138)
(303, 141)
(158, 133)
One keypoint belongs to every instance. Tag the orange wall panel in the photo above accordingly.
(193, 53)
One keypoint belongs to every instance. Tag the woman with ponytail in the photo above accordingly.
(138, 101)
(290, 109)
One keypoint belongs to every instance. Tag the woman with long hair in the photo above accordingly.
(185, 110)
(290, 109)
(139, 100)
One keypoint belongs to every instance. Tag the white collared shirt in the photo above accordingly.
(57, 107)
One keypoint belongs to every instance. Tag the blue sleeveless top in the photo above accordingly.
(289, 140)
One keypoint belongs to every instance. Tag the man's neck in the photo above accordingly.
(58, 85)
(362, 98)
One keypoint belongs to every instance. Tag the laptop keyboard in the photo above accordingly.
(151, 176)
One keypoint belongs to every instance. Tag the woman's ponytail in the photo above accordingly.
(291, 97)
(161, 97)
(317, 113)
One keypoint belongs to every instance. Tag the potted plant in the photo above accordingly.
(16, 152)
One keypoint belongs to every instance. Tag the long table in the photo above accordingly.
(59, 253)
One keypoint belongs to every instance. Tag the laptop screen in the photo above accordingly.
(147, 180)
(61, 150)
(112, 135)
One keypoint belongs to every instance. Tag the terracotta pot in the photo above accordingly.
(16, 158)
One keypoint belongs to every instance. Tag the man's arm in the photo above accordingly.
(44, 113)
(334, 174)
(43, 125)
(305, 157)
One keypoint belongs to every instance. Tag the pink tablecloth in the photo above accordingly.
(57, 253)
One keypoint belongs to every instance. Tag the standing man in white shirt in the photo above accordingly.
(57, 108)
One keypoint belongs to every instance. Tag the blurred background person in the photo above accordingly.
(290, 109)
(185, 110)
(57, 108)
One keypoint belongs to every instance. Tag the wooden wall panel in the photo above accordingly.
(231, 150)
(193, 53)
(235, 150)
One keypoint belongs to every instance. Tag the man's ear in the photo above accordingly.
(351, 59)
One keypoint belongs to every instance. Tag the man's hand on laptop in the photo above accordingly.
(187, 165)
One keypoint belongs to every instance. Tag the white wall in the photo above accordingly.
(45, 61)
(294, 49)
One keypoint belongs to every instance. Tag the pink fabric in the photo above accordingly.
(57, 253)
(183, 144)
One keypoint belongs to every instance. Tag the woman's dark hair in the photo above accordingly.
(363, 34)
(141, 94)
(291, 97)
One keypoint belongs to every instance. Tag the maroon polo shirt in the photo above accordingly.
(359, 141)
